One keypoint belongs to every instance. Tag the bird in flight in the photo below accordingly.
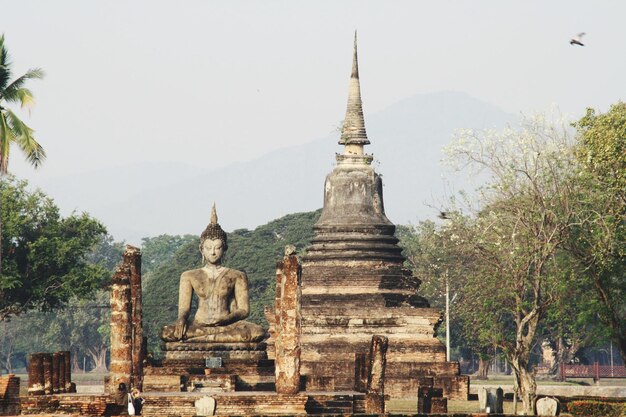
(578, 39)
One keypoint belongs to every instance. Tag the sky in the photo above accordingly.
(210, 83)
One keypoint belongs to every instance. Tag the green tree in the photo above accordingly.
(45, 255)
(515, 236)
(598, 237)
(12, 128)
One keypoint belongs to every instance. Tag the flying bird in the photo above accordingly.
(578, 39)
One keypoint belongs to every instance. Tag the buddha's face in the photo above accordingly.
(213, 250)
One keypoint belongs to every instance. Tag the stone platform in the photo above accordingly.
(183, 404)
(188, 374)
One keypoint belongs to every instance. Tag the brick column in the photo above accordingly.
(288, 323)
(55, 372)
(375, 397)
(67, 359)
(360, 372)
(61, 372)
(132, 257)
(121, 331)
(35, 374)
(47, 373)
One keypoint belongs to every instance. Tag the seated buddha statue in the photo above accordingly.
(222, 298)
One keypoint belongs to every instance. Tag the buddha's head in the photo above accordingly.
(213, 241)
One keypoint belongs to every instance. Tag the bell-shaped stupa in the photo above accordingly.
(354, 283)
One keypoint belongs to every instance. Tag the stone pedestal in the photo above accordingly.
(194, 354)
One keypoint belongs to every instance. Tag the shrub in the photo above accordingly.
(596, 408)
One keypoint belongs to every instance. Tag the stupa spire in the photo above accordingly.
(353, 134)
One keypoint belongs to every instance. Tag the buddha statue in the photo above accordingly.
(222, 298)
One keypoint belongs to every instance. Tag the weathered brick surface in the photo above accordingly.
(377, 361)
(132, 257)
(121, 330)
(9, 395)
(36, 380)
(287, 334)
(67, 359)
(47, 373)
(83, 405)
(226, 404)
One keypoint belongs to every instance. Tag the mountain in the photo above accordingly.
(406, 138)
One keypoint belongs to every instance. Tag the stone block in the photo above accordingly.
(547, 406)
(490, 400)
(167, 383)
(212, 383)
(205, 406)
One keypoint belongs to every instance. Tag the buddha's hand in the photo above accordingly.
(180, 329)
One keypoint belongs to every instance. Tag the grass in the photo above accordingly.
(409, 406)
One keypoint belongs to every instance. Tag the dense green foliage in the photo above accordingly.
(598, 237)
(44, 255)
(253, 251)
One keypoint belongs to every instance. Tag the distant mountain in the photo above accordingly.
(407, 138)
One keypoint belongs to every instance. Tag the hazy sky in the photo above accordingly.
(210, 83)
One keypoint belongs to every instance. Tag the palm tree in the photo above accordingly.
(12, 129)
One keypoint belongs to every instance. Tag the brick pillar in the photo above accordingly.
(67, 359)
(360, 372)
(375, 397)
(288, 323)
(55, 372)
(35, 374)
(61, 372)
(132, 257)
(47, 373)
(121, 329)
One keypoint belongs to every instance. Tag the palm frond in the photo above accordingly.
(23, 135)
(6, 137)
(16, 93)
(22, 96)
(5, 65)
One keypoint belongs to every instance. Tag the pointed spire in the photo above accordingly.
(353, 131)
(213, 214)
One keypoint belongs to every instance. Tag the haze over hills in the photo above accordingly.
(149, 199)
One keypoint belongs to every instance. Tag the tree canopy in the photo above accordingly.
(44, 254)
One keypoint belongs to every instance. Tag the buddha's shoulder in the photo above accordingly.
(193, 273)
(234, 273)
(201, 273)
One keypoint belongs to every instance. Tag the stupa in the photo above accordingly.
(354, 284)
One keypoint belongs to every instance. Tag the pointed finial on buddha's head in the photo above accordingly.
(214, 230)
(213, 214)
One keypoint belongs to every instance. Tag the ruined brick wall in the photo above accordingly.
(9, 395)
